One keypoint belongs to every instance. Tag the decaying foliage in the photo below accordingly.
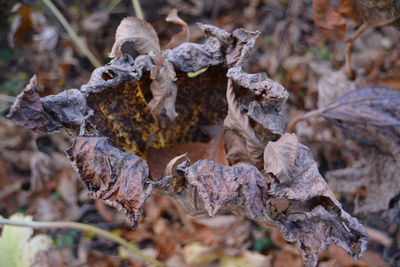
(371, 117)
(143, 101)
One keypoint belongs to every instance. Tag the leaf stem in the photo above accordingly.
(349, 71)
(138, 9)
(74, 36)
(87, 228)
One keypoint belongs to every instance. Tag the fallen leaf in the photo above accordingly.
(348, 9)
(328, 20)
(370, 116)
(380, 12)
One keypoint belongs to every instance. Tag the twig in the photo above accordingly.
(138, 9)
(292, 124)
(74, 36)
(87, 228)
(349, 71)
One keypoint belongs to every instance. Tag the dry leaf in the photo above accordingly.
(371, 117)
(379, 12)
(328, 20)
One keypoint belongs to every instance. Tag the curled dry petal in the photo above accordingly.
(239, 123)
(183, 36)
(116, 177)
(68, 107)
(164, 92)
(138, 32)
(273, 93)
(28, 111)
(314, 218)
(280, 157)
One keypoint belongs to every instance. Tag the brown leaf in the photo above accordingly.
(221, 186)
(29, 112)
(347, 9)
(183, 36)
(138, 32)
(328, 20)
(379, 12)
(68, 107)
(116, 177)
(22, 27)
(371, 117)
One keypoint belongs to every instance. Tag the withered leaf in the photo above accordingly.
(221, 187)
(378, 13)
(347, 8)
(138, 32)
(116, 177)
(181, 37)
(328, 20)
(370, 115)
(28, 111)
